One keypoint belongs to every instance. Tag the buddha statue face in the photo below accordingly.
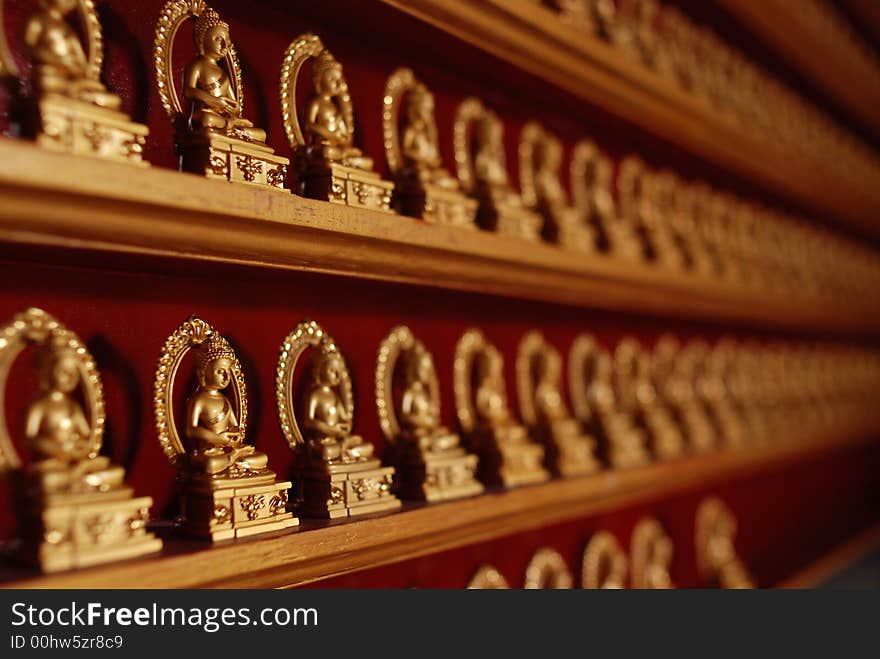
(420, 105)
(217, 373)
(215, 43)
(58, 371)
(422, 367)
(328, 370)
(327, 75)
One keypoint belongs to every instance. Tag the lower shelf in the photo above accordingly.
(319, 550)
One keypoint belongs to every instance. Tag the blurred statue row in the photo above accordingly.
(639, 214)
(630, 406)
(648, 566)
(663, 39)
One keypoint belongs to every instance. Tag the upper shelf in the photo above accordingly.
(808, 40)
(319, 550)
(90, 204)
(533, 38)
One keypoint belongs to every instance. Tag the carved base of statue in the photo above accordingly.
(84, 129)
(233, 159)
(75, 530)
(435, 204)
(498, 213)
(568, 451)
(576, 236)
(666, 440)
(230, 507)
(508, 460)
(350, 186)
(624, 243)
(435, 475)
(667, 253)
(331, 489)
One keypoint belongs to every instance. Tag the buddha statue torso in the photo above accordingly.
(419, 141)
(61, 63)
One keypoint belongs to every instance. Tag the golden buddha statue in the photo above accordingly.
(60, 435)
(597, 407)
(213, 138)
(424, 188)
(651, 552)
(604, 563)
(74, 507)
(65, 106)
(569, 451)
(540, 157)
(431, 463)
(227, 489)
(335, 470)
(717, 560)
(482, 170)
(61, 65)
(327, 126)
(207, 85)
(321, 133)
(218, 447)
(328, 419)
(508, 455)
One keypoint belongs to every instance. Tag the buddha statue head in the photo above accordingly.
(327, 370)
(327, 74)
(58, 370)
(214, 363)
(420, 104)
(211, 35)
(420, 367)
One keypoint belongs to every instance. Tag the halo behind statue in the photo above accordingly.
(470, 111)
(547, 569)
(35, 326)
(582, 358)
(305, 47)
(174, 14)
(308, 334)
(582, 175)
(191, 334)
(400, 82)
(604, 564)
(529, 143)
(648, 538)
(470, 347)
(400, 342)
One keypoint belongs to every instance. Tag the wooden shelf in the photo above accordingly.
(840, 69)
(533, 38)
(321, 550)
(101, 206)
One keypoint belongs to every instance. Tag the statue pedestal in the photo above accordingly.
(84, 129)
(346, 489)
(508, 462)
(434, 203)
(350, 186)
(66, 531)
(435, 476)
(574, 234)
(233, 159)
(625, 442)
(498, 213)
(568, 451)
(225, 508)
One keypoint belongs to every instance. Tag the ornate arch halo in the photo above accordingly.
(471, 344)
(628, 356)
(308, 334)
(532, 133)
(399, 83)
(470, 110)
(583, 350)
(172, 17)
(191, 334)
(547, 569)
(584, 155)
(305, 47)
(647, 537)
(531, 346)
(35, 326)
(603, 549)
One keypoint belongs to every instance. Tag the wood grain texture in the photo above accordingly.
(838, 68)
(318, 552)
(95, 205)
(533, 38)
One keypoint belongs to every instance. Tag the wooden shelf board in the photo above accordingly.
(840, 72)
(96, 205)
(533, 38)
(319, 551)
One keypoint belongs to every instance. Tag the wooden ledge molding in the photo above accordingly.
(96, 205)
